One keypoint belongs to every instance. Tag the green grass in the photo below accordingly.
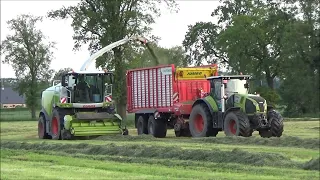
(293, 156)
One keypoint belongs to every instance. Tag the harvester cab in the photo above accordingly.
(87, 87)
(230, 107)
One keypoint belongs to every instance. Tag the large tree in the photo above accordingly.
(300, 88)
(101, 22)
(248, 36)
(271, 40)
(29, 53)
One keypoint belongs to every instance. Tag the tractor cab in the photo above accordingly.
(87, 87)
(224, 89)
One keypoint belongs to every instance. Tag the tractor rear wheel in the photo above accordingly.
(157, 127)
(56, 125)
(276, 122)
(42, 128)
(142, 126)
(200, 122)
(236, 123)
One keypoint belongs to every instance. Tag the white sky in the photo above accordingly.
(170, 27)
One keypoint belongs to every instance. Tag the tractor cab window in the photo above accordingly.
(216, 89)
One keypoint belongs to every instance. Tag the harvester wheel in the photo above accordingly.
(200, 121)
(236, 123)
(142, 126)
(276, 129)
(55, 125)
(42, 129)
(157, 128)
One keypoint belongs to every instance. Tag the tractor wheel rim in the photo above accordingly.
(40, 129)
(55, 126)
(233, 126)
(199, 123)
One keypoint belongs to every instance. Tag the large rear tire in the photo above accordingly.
(200, 122)
(56, 125)
(236, 123)
(142, 126)
(276, 122)
(42, 134)
(157, 127)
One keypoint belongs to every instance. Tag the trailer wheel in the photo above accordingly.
(157, 128)
(200, 122)
(55, 125)
(42, 128)
(142, 126)
(236, 123)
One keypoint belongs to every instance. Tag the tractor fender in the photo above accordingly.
(231, 109)
(199, 101)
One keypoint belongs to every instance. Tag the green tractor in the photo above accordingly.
(80, 106)
(230, 108)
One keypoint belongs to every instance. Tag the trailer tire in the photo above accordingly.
(200, 122)
(56, 125)
(157, 128)
(42, 128)
(142, 126)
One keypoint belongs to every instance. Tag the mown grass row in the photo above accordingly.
(285, 141)
(22, 164)
(159, 152)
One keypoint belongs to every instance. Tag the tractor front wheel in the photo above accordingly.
(200, 122)
(157, 127)
(276, 122)
(236, 123)
(42, 129)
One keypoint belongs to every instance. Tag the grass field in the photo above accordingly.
(293, 156)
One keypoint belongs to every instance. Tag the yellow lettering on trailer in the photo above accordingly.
(190, 73)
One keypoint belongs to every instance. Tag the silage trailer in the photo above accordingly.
(161, 97)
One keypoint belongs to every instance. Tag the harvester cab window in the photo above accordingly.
(108, 80)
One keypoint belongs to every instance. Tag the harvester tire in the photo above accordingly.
(142, 126)
(56, 125)
(200, 122)
(42, 128)
(236, 123)
(157, 127)
(276, 128)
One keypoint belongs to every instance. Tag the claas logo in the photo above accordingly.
(194, 73)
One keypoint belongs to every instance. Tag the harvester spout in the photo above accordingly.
(110, 47)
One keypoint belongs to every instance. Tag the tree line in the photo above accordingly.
(275, 42)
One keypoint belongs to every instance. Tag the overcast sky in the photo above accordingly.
(170, 27)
